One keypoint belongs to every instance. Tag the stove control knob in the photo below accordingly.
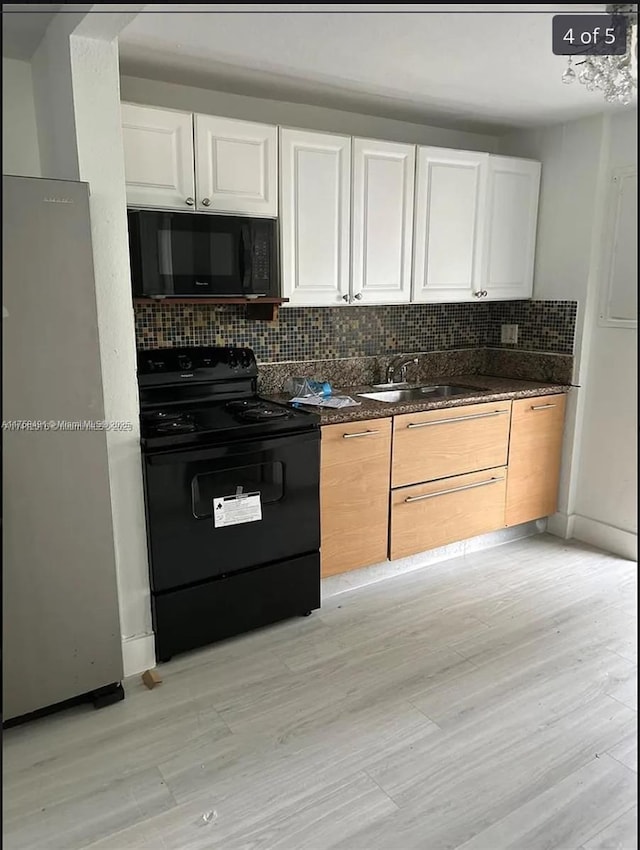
(151, 366)
(184, 362)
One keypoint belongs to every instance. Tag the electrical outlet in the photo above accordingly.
(509, 334)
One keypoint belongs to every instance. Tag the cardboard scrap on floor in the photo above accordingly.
(151, 678)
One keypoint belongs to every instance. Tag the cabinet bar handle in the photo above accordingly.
(360, 434)
(457, 419)
(541, 406)
(453, 490)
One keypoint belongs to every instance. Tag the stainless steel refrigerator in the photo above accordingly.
(61, 631)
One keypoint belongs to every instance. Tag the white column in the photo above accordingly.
(76, 84)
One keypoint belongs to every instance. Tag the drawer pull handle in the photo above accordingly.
(457, 419)
(541, 406)
(360, 434)
(453, 490)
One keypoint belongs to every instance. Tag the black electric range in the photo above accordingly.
(231, 496)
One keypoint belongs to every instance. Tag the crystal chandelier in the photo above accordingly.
(616, 76)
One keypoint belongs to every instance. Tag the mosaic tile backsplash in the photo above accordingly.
(314, 333)
(542, 325)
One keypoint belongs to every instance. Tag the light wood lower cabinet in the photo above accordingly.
(448, 473)
(354, 494)
(440, 512)
(450, 441)
(534, 458)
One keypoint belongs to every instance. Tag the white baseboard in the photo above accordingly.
(333, 585)
(138, 654)
(607, 537)
(561, 525)
(599, 534)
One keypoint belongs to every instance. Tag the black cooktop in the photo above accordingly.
(221, 420)
(198, 396)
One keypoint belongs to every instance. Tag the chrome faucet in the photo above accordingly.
(401, 361)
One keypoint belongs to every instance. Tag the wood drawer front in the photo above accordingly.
(455, 509)
(354, 494)
(534, 457)
(453, 441)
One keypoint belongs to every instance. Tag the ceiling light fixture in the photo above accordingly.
(616, 76)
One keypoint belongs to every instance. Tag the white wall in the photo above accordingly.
(607, 474)
(575, 166)
(101, 161)
(20, 154)
(570, 155)
(77, 77)
(191, 99)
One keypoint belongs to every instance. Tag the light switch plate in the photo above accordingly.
(509, 334)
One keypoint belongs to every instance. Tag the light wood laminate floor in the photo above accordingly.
(484, 703)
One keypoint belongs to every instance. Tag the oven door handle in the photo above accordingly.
(232, 449)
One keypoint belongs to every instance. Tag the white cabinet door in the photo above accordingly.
(382, 222)
(450, 205)
(236, 166)
(510, 235)
(158, 157)
(315, 190)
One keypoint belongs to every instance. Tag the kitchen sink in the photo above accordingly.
(394, 385)
(419, 393)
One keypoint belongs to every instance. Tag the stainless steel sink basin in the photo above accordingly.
(394, 385)
(419, 393)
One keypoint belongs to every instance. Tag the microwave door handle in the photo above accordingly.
(245, 258)
(241, 258)
(165, 260)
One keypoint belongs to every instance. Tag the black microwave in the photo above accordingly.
(176, 254)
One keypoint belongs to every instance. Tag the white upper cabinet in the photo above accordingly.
(451, 191)
(475, 226)
(512, 212)
(315, 188)
(236, 166)
(158, 157)
(382, 222)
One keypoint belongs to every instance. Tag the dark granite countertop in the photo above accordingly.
(489, 388)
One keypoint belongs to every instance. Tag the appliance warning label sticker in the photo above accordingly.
(235, 510)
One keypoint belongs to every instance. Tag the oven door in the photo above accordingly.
(186, 547)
